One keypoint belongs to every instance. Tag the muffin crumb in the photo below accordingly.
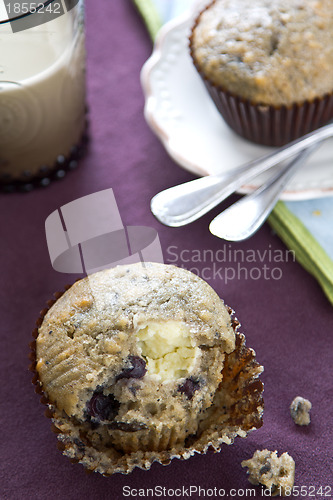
(276, 473)
(300, 411)
(171, 383)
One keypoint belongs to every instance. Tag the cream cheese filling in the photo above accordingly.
(168, 350)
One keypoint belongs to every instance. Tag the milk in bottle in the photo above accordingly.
(42, 94)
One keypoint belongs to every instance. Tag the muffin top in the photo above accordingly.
(130, 337)
(273, 52)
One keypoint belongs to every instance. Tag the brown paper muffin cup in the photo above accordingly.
(261, 123)
(237, 409)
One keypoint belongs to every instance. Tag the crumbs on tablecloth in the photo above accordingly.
(300, 411)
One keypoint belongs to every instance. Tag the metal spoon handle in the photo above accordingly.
(242, 219)
(187, 202)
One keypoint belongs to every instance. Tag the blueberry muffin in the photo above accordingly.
(267, 63)
(130, 362)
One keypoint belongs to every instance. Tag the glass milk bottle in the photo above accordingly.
(42, 87)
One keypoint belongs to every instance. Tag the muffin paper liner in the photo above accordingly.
(165, 437)
(265, 124)
(237, 409)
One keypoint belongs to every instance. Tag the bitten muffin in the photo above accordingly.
(300, 411)
(273, 55)
(130, 361)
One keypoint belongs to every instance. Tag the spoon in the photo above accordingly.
(242, 219)
(185, 203)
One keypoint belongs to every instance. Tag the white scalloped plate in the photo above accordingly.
(180, 112)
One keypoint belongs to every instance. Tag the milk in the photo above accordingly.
(42, 94)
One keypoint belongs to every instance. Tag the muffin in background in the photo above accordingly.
(143, 363)
(268, 65)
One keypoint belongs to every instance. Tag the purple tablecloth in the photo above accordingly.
(284, 314)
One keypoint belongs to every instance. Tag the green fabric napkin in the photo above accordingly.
(309, 250)
(150, 16)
